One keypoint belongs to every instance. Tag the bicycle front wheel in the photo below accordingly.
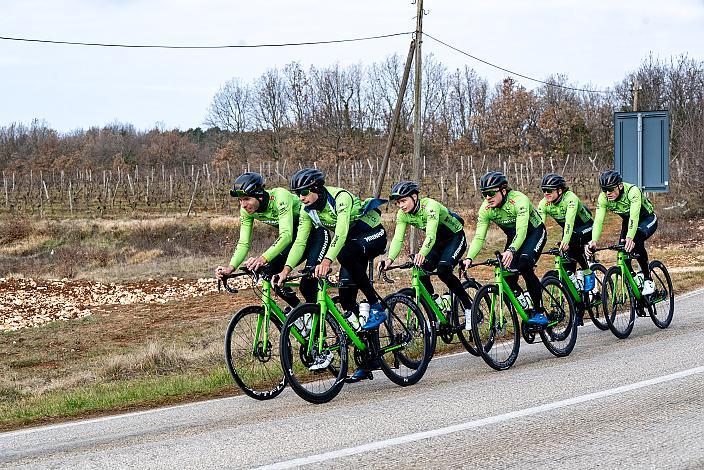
(315, 364)
(619, 303)
(560, 335)
(405, 341)
(254, 363)
(662, 301)
(460, 319)
(495, 328)
(594, 304)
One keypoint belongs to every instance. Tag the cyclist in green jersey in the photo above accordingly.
(358, 236)
(444, 243)
(276, 207)
(571, 214)
(639, 221)
(513, 212)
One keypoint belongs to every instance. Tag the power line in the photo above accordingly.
(515, 73)
(228, 46)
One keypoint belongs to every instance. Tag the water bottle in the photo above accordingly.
(639, 278)
(573, 278)
(589, 280)
(446, 302)
(525, 301)
(352, 319)
(580, 280)
(363, 313)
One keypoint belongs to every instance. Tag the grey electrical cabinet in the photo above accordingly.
(642, 149)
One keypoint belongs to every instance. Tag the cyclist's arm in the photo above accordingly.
(522, 221)
(572, 202)
(479, 234)
(299, 245)
(399, 235)
(634, 197)
(432, 209)
(243, 243)
(343, 205)
(541, 209)
(599, 218)
(285, 229)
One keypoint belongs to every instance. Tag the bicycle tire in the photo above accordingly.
(620, 321)
(405, 366)
(258, 373)
(464, 335)
(429, 314)
(663, 294)
(322, 385)
(558, 303)
(492, 338)
(597, 309)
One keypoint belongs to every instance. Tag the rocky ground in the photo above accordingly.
(32, 302)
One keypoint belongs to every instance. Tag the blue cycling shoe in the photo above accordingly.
(539, 319)
(377, 316)
(360, 374)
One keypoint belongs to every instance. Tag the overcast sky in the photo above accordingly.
(593, 42)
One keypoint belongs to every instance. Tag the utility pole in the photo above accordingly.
(635, 88)
(417, 126)
(394, 121)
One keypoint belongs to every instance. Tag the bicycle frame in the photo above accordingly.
(621, 258)
(422, 293)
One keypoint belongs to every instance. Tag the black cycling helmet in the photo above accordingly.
(609, 179)
(493, 180)
(248, 184)
(553, 181)
(403, 189)
(307, 178)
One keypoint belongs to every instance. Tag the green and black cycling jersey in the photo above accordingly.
(432, 217)
(631, 205)
(516, 217)
(569, 212)
(282, 212)
(339, 213)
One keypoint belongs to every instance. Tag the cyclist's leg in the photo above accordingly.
(646, 228)
(450, 256)
(525, 259)
(316, 247)
(355, 255)
(275, 266)
(430, 263)
(580, 238)
(622, 240)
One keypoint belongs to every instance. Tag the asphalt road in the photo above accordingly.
(634, 403)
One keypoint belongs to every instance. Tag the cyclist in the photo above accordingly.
(444, 243)
(571, 214)
(639, 221)
(513, 212)
(277, 207)
(358, 237)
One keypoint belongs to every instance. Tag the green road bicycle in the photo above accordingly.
(495, 313)
(623, 299)
(252, 344)
(448, 319)
(400, 346)
(589, 303)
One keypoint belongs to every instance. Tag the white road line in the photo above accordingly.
(372, 446)
(215, 400)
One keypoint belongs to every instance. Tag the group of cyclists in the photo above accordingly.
(320, 224)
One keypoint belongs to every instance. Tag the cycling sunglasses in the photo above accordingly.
(548, 190)
(303, 192)
(610, 189)
(238, 193)
(490, 193)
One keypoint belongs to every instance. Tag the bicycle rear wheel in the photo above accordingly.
(619, 303)
(661, 303)
(406, 336)
(595, 305)
(298, 354)
(497, 337)
(254, 365)
(471, 287)
(561, 334)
